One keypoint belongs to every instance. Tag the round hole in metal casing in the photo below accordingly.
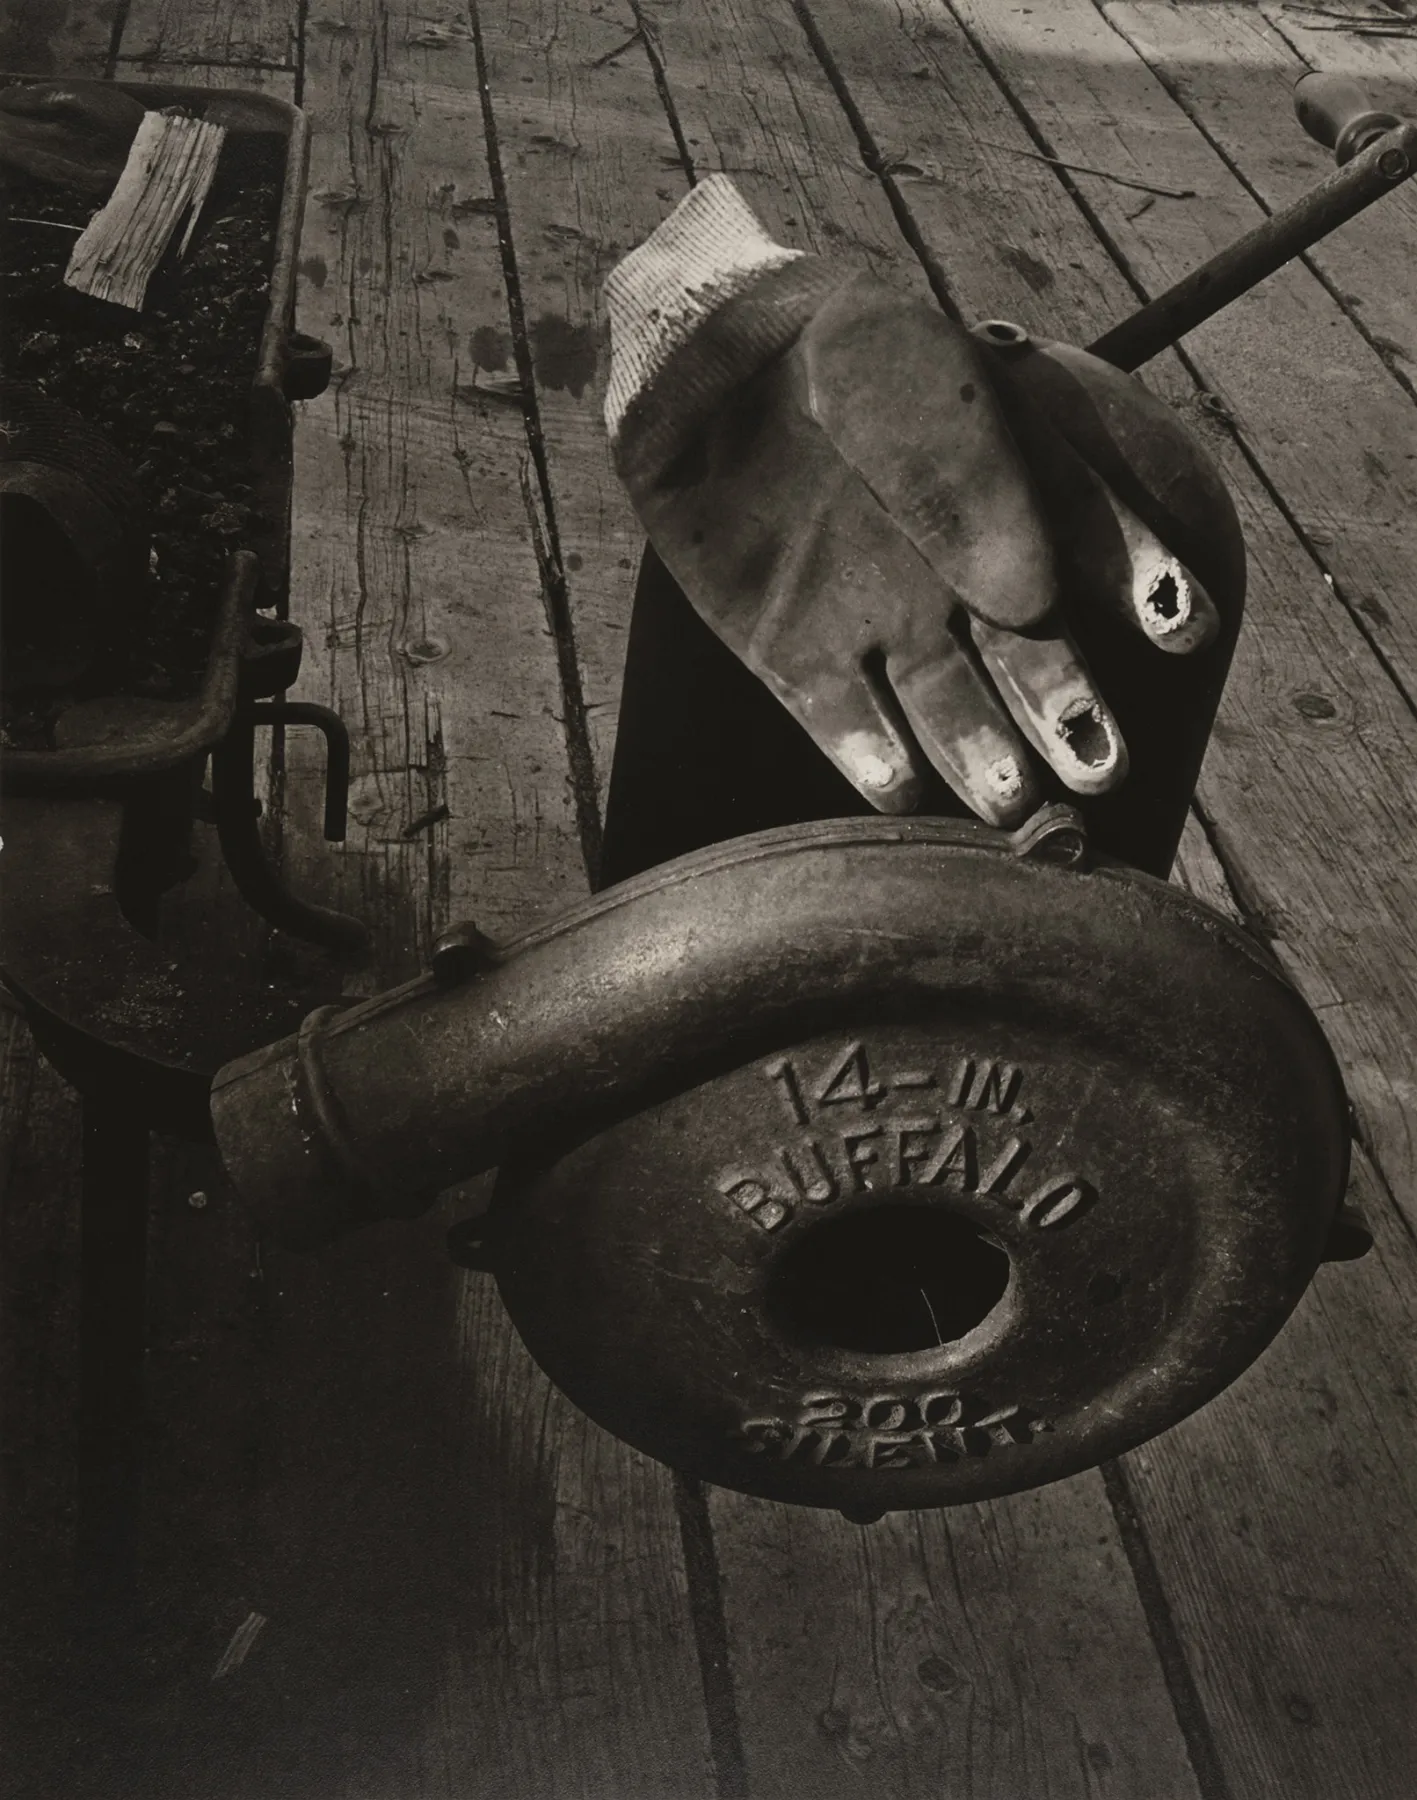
(888, 1281)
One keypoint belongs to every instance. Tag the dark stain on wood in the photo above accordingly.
(490, 348)
(563, 355)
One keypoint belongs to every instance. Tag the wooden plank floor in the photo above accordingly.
(378, 1557)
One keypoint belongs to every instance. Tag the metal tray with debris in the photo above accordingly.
(116, 728)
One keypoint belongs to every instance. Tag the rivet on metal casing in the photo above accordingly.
(862, 1515)
(1001, 334)
(461, 952)
(1054, 834)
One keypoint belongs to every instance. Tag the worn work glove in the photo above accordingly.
(879, 519)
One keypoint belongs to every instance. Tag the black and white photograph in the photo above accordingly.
(708, 900)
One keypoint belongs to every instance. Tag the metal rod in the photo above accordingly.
(233, 803)
(336, 735)
(1384, 165)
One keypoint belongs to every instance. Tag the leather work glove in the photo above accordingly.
(875, 515)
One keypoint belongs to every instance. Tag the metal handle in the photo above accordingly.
(1338, 114)
(1387, 158)
(336, 735)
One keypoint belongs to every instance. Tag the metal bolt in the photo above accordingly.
(197, 1200)
(1394, 164)
(1054, 834)
(461, 952)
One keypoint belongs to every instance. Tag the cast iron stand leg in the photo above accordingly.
(112, 1340)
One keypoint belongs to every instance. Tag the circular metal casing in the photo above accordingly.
(1040, 1166)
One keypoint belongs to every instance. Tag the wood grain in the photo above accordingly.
(210, 42)
(116, 1709)
(1369, 260)
(590, 167)
(1331, 419)
(55, 37)
(752, 103)
(167, 177)
(516, 1573)
(1199, 871)
(466, 1589)
(893, 1657)
(1252, 1650)
(355, 1448)
(1285, 782)
(987, 1651)
(1282, 1520)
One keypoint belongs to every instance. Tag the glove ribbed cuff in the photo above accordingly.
(696, 311)
(709, 249)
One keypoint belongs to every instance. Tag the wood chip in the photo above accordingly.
(168, 173)
(239, 1648)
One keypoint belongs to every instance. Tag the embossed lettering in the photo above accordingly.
(785, 1076)
(861, 1154)
(815, 1181)
(850, 1079)
(902, 1149)
(886, 1431)
(762, 1435)
(941, 1409)
(956, 1161)
(910, 1153)
(897, 1450)
(825, 1409)
(987, 1087)
(1004, 1427)
(751, 1195)
(1005, 1166)
(1055, 1202)
(814, 1444)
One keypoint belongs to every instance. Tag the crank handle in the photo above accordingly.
(1376, 151)
(1337, 114)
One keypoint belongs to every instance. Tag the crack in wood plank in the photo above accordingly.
(915, 1656)
(1291, 1703)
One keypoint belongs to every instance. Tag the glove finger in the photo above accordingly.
(906, 400)
(850, 722)
(1045, 685)
(966, 733)
(1106, 554)
(1128, 568)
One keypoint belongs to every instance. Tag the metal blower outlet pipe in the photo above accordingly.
(372, 1110)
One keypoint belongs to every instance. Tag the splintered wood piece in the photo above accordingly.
(168, 173)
